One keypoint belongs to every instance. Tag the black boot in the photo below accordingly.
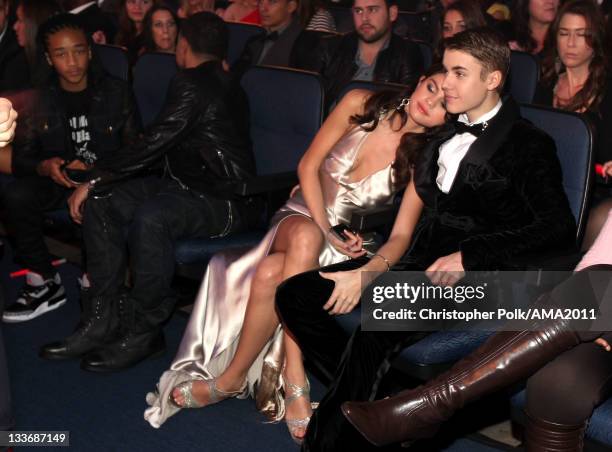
(545, 436)
(135, 344)
(98, 325)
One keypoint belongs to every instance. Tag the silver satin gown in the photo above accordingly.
(212, 334)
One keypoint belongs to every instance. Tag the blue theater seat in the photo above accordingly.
(152, 75)
(523, 77)
(286, 109)
(239, 34)
(114, 59)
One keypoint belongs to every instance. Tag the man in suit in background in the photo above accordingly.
(275, 47)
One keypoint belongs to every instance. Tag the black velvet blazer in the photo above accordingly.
(507, 200)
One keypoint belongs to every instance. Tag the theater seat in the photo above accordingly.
(523, 77)
(114, 60)
(239, 34)
(286, 108)
(152, 75)
(598, 434)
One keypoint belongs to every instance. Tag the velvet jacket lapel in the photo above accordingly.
(479, 153)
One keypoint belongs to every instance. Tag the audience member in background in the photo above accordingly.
(14, 71)
(371, 52)
(232, 344)
(462, 15)
(531, 20)
(314, 16)
(160, 30)
(131, 20)
(246, 11)
(274, 48)
(190, 7)
(459, 16)
(30, 14)
(202, 136)
(575, 77)
(82, 116)
(97, 23)
(8, 117)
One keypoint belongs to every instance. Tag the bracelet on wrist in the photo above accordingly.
(386, 261)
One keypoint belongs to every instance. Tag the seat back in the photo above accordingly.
(114, 60)
(415, 25)
(152, 75)
(286, 108)
(370, 86)
(239, 34)
(426, 52)
(523, 77)
(574, 139)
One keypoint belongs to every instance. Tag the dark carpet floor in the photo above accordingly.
(105, 412)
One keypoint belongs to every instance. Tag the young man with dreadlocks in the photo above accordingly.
(79, 118)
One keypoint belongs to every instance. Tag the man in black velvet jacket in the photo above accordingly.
(371, 53)
(201, 137)
(492, 194)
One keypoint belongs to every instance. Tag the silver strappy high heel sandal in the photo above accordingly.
(215, 394)
(295, 424)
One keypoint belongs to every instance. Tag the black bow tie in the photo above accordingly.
(271, 36)
(476, 129)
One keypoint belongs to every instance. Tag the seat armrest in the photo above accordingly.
(369, 219)
(268, 183)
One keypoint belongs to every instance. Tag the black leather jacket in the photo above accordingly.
(202, 132)
(401, 62)
(113, 123)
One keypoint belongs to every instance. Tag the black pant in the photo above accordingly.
(358, 363)
(26, 200)
(148, 215)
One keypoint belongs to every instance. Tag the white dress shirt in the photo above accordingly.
(454, 150)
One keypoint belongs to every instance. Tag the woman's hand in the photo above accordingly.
(351, 247)
(607, 169)
(77, 201)
(347, 291)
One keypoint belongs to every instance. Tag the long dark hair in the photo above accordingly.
(411, 143)
(473, 17)
(147, 26)
(127, 30)
(520, 21)
(591, 94)
(35, 12)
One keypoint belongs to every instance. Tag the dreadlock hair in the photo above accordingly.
(67, 21)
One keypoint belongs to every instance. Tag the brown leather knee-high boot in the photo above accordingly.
(546, 436)
(503, 359)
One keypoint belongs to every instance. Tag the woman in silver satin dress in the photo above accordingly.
(233, 344)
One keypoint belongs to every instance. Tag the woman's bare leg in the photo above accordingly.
(296, 249)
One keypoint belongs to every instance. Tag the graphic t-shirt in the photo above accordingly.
(77, 111)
